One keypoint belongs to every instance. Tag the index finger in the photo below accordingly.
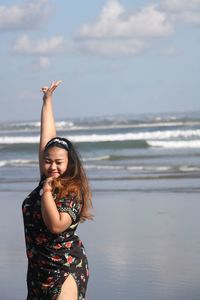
(55, 84)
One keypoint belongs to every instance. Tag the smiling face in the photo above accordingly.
(55, 162)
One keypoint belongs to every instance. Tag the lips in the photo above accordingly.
(54, 174)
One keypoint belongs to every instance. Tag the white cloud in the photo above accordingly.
(118, 31)
(183, 10)
(190, 17)
(115, 22)
(27, 16)
(24, 45)
(182, 5)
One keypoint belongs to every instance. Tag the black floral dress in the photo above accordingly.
(52, 257)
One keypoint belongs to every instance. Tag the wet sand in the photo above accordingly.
(141, 246)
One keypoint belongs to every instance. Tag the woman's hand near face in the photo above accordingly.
(48, 183)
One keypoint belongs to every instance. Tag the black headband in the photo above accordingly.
(59, 142)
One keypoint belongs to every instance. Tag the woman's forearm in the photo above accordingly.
(47, 129)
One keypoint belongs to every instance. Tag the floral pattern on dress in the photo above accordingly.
(52, 257)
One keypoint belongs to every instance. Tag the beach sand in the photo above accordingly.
(141, 246)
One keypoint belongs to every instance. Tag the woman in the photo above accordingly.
(57, 263)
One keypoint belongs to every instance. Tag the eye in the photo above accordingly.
(47, 161)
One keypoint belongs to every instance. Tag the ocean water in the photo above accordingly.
(135, 152)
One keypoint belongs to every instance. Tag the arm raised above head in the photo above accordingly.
(47, 129)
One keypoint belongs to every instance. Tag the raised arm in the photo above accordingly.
(47, 129)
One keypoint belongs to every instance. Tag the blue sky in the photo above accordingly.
(114, 56)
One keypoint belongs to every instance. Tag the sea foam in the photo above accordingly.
(158, 135)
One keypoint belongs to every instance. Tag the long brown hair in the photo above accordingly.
(74, 180)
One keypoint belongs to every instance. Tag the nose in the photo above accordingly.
(53, 166)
